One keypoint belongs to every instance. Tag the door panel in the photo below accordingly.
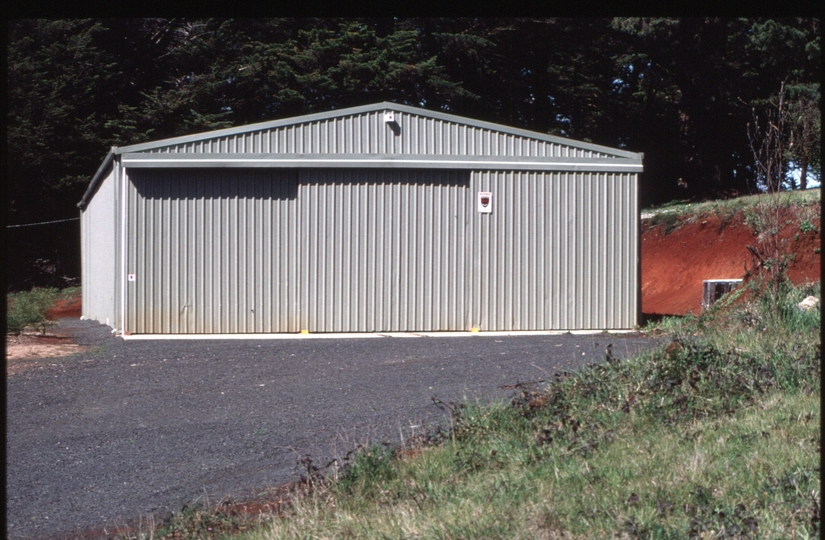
(384, 250)
(212, 251)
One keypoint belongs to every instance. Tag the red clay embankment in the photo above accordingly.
(675, 264)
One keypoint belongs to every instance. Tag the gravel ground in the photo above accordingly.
(132, 428)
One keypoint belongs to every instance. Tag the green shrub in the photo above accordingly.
(806, 227)
(28, 308)
(368, 467)
(668, 220)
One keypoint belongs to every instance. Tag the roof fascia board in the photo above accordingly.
(372, 108)
(165, 161)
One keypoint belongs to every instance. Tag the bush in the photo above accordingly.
(28, 308)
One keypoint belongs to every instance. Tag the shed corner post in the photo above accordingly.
(122, 183)
(639, 314)
(83, 256)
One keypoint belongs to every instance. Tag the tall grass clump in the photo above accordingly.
(713, 435)
(28, 309)
(725, 208)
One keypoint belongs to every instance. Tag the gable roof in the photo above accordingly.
(362, 137)
(364, 118)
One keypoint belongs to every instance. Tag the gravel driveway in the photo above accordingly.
(134, 427)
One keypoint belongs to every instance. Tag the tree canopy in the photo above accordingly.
(689, 93)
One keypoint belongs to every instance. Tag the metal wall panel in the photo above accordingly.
(558, 252)
(335, 250)
(385, 250)
(99, 253)
(367, 133)
(209, 250)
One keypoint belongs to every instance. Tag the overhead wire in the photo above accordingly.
(41, 223)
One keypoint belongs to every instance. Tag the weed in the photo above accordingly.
(768, 254)
(672, 214)
(808, 216)
(807, 227)
(200, 521)
(28, 309)
(667, 219)
(367, 467)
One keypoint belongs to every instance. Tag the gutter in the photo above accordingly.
(97, 178)
(254, 160)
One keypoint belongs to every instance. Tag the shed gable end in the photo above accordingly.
(366, 131)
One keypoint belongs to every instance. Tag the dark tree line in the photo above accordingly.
(689, 93)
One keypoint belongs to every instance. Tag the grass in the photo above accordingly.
(672, 214)
(27, 309)
(715, 435)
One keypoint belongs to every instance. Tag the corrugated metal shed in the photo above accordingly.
(350, 221)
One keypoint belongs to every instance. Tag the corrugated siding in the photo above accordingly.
(209, 250)
(224, 251)
(368, 134)
(559, 252)
(99, 254)
(385, 250)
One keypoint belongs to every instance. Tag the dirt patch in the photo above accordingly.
(674, 265)
(66, 308)
(27, 351)
(228, 518)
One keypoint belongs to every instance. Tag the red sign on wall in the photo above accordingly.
(485, 202)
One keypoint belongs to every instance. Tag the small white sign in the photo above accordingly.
(485, 202)
(131, 277)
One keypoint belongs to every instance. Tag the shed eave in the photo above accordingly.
(153, 160)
